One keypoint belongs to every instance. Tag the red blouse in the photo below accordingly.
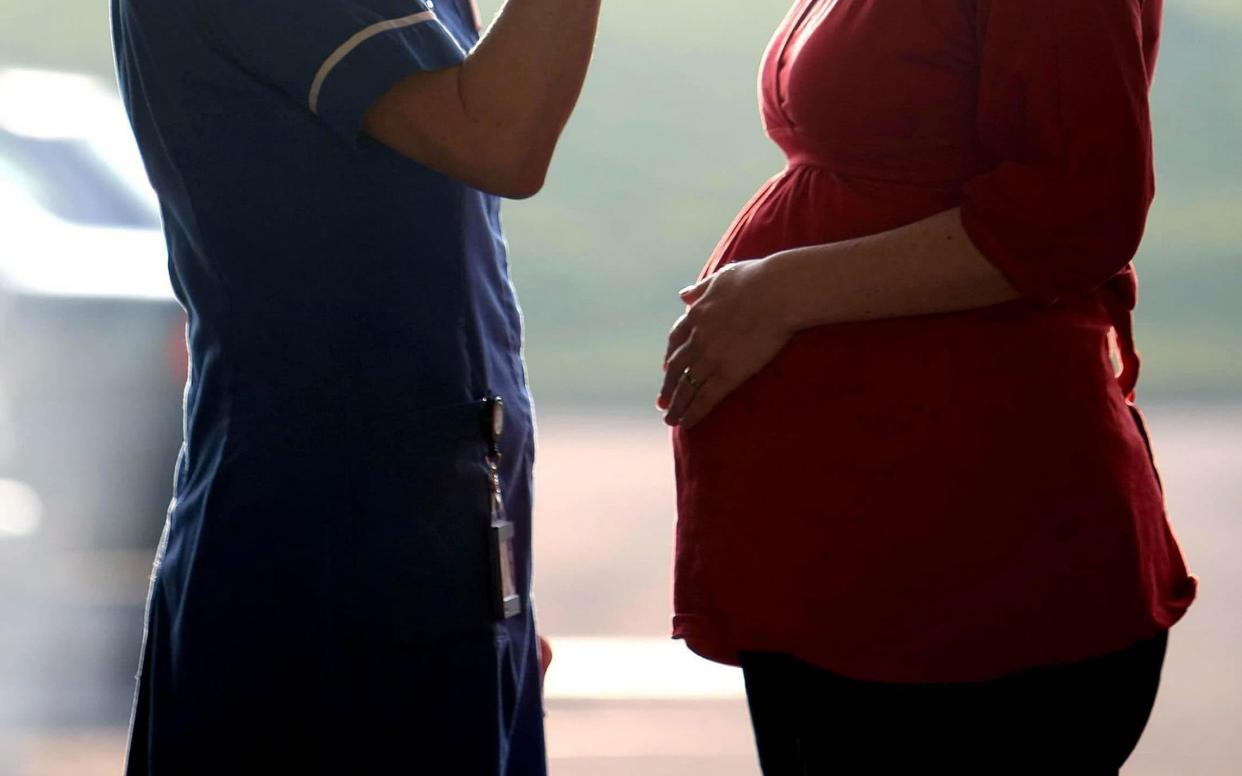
(949, 497)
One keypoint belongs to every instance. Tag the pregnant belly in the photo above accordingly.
(887, 391)
(900, 477)
(888, 399)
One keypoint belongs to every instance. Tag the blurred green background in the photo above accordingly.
(667, 146)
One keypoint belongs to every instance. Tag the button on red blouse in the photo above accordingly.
(948, 497)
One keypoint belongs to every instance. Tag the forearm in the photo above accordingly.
(493, 122)
(522, 81)
(930, 266)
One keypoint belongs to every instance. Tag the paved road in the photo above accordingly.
(70, 623)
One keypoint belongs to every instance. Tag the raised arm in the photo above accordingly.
(494, 120)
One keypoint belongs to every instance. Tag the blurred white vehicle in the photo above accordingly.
(92, 353)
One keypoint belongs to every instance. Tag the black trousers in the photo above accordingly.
(1079, 718)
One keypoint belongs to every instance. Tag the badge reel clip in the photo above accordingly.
(507, 601)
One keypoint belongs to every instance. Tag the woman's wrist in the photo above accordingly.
(793, 300)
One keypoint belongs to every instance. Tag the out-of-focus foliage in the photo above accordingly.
(667, 146)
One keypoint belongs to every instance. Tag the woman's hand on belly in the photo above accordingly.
(740, 318)
(729, 332)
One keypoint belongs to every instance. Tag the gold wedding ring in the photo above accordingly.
(688, 378)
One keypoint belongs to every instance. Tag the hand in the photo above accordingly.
(545, 657)
(731, 329)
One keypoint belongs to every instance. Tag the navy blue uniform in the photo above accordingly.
(322, 598)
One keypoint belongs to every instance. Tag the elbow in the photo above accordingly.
(1119, 233)
(1060, 231)
(516, 170)
(1094, 254)
(512, 181)
(1125, 191)
(527, 171)
(1127, 241)
(1100, 253)
(1074, 252)
(523, 182)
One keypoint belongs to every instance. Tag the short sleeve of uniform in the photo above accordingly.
(1063, 113)
(333, 57)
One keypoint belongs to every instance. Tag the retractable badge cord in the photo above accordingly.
(507, 601)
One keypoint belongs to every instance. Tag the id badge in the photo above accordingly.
(504, 568)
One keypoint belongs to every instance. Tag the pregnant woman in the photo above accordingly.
(917, 503)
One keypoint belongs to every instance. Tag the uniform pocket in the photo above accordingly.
(420, 528)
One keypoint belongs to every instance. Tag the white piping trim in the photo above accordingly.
(360, 37)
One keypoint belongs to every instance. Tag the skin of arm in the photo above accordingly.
(493, 122)
(739, 319)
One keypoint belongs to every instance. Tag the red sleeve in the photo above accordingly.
(1063, 118)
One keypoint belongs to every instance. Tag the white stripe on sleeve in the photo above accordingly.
(362, 36)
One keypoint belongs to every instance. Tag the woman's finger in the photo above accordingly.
(683, 396)
(692, 293)
(688, 387)
(704, 401)
(673, 372)
(677, 337)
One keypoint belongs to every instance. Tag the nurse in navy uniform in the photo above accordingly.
(343, 582)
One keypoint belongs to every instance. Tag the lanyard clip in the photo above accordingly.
(506, 599)
(493, 424)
